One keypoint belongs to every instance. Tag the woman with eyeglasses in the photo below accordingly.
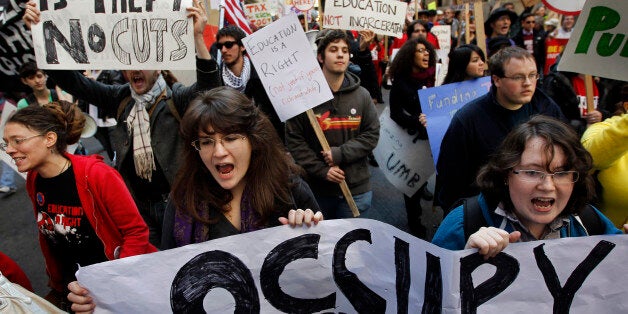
(236, 176)
(84, 212)
(537, 186)
(413, 68)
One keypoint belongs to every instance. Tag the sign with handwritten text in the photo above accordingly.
(259, 13)
(384, 17)
(439, 104)
(114, 35)
(285, 63)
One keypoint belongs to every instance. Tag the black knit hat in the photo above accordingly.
(488, 30)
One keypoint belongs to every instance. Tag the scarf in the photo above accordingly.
(234, 81)
(138, 123)
(426, 77)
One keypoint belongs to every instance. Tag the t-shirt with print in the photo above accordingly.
(62, 220)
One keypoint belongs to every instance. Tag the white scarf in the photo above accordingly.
(232, 80)
(138, 123)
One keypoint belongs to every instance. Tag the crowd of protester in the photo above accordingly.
(200, 162)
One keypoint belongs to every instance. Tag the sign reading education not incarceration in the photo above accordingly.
(99, 34)
(363, 266)
(285, 62)
(599, 42)
(384, 17)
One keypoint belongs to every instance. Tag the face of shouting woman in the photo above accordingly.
(421, 58)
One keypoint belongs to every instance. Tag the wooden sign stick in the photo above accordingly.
(478, 12)
(588, 86)
(467, 27)
(321, 138)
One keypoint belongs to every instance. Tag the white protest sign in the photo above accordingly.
(100, 34)
(567, 7)
(599, 42)
(6, 112)
(405, 160)
(443, 34)
(303, 5)
(259, 13)
(385, 17)
(287, 67)
(360, 266)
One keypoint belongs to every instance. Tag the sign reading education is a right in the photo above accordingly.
(599, 42)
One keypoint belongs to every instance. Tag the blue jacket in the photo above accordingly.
(450, 234)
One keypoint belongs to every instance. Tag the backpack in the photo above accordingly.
(473, 219)
(31, 100)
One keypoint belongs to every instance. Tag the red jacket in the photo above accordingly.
(109, 207)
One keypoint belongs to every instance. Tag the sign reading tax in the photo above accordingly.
(99, 34)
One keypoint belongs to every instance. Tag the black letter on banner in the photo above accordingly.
(149, 5)
(61, 4)
(433, 296)
(305, 246)
(96, 38)
(209, 270)
(507, 270)
(76, 49)
(178, 29)
(363, 299)
(133, 8)
(176, 5)
(99, 6)
(159, 26)
(120, 27)
(141, 54)
(402, 268)
(564, 296)
(43, 5)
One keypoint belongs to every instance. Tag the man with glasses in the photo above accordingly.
(532, 40)
(479, 127)
(237, 71)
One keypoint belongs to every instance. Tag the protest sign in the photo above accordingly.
(566, 7)
(599, 42)
(553, 48)
(362, 266)
(16, 46)
(287, 67)
(439, 104)
(303, 5)
(114, 35)
(443, 34)
(6, 112)
(404, 159)
(385, 17)
(259, 13)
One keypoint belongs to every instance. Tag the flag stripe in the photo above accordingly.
(234, 15)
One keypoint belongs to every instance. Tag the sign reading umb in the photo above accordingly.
(598, 44)
(119, 34)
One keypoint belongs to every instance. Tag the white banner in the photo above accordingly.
(287, 66)
(360, 266)
(598, 44)
(115, 35)
(405, 160)
(385, 17)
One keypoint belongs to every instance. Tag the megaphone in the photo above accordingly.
(90, 126)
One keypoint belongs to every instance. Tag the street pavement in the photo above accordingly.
(18, 232)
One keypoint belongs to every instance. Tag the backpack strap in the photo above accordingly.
(591, 221)
(473, 219)
(31, 100)
(53, 95)
(125, 101)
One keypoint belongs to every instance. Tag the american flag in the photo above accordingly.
(235, 16)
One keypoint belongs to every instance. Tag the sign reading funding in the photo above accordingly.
(284, 60)
(599, 42)
(363, 266)
(259, 13)
(404, 159)
(385, 17)
(439, 104)
(121, 35)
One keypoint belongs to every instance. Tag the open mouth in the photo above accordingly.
(224, 169)
(137, 79)
(543, 204)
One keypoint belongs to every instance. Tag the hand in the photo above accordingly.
(299, 217)
(328, 157)
(593, 117)
(79, 296)
(335, 174)
(199, 16)
(625, 228)
(490, 241)
(423, 120)
(31, 14)
(366, 37)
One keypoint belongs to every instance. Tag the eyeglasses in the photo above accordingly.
(227, 44)
(522, 78)
(560, 177)
(423, 50)
(16, 142)
(530, 22)
(229, 142)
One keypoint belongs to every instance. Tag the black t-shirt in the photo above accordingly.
(62, 220)
(143, 189)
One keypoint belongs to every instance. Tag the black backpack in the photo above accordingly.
(473, 219)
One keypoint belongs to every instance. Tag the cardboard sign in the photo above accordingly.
(404, 159)
(440, 104)
(443, 34)
(599, 42)
(287, 67)
(114, 35)
(259, 13)
(363, 266)
(303, 5)
(385, 17)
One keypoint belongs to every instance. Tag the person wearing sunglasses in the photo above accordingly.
(83, 210)
(147, 153)
(237, 71)
(537, 186)
(532, 40)
(478, 128)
